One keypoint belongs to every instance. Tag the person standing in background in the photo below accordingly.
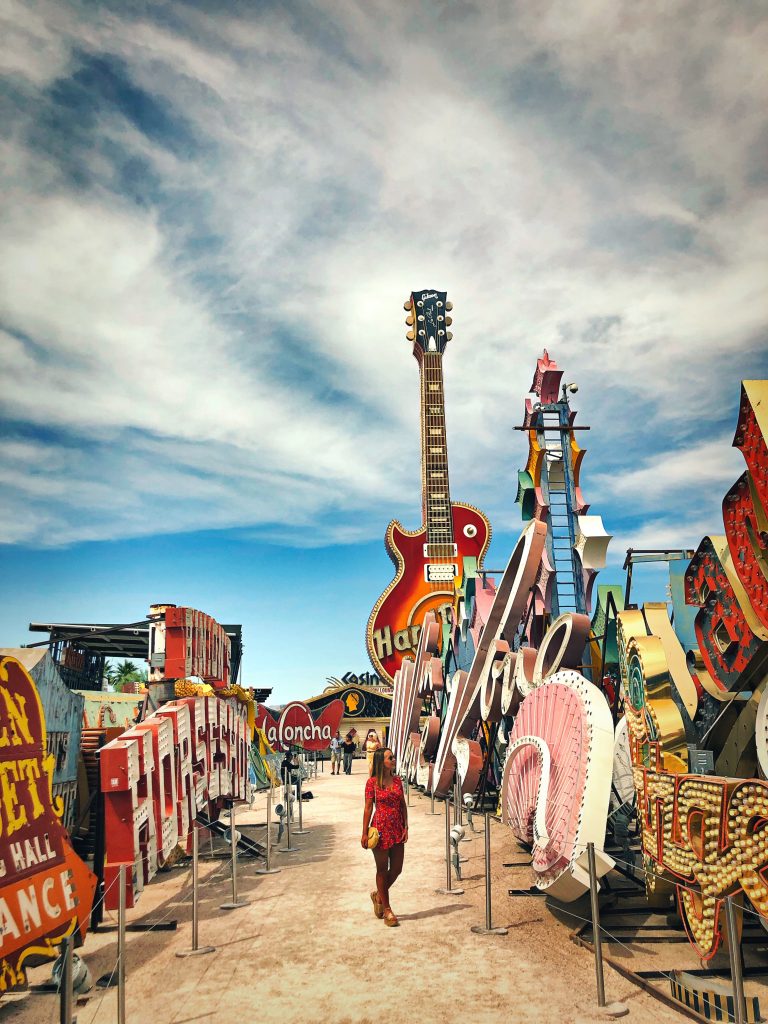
(336, 754)
(372, 744)
(348, 746)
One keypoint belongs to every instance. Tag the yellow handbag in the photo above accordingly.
(373, 838)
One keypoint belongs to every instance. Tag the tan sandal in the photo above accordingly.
(377, 907)
(389, 918)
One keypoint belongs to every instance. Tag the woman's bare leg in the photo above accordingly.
(396, 858)
(382, 875)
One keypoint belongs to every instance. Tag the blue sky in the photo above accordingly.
(211, 217)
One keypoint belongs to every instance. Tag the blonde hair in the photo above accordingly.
(377, 770)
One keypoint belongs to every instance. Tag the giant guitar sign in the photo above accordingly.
(46, 891)
(430, 559)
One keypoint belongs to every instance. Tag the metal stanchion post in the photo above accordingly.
(448, 890)
(288, 813)
(234, 903)
(432, 801)
(458, 811)
(65, 981)
(734, 952)
(121, 947)
(488, 929)
(596, 936)
(196, 950)
(300, 831)
(268, 870)
(612, 1009)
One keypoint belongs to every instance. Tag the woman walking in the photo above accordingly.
(372, 744)
(385, 790)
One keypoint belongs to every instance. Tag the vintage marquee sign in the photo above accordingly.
(297, 728)
(186, 642)
(707, 835)
(189, 756)
(46, 891)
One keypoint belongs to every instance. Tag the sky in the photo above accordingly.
(211, 216)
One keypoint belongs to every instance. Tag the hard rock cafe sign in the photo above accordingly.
(46, 891)
(296, 727)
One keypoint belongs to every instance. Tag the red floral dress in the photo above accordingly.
(388, 817)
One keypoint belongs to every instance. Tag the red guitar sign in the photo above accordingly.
(430, 559)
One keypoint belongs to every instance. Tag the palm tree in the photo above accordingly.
(128, 672)
(109, 674)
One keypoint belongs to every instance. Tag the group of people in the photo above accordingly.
(342, 751)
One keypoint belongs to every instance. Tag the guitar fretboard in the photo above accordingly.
(436, 496)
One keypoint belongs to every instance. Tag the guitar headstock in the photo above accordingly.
(428, 321)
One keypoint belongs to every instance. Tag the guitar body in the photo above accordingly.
(395, 622)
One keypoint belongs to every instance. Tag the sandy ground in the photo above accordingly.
(308, 947)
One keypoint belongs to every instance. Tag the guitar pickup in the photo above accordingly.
(435, 572)
(441, 550)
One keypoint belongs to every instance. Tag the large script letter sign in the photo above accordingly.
(46, 891)
(505, 614)
(557, 781)
(189, 756)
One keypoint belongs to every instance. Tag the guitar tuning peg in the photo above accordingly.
(407, 304)
(449, 320)
(410, 335)
(449, 306)
(449, 335)
(409, 320)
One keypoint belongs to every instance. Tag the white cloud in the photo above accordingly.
(222, 297)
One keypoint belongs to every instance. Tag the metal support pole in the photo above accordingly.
(288, 811)
(448, 890)
(268, 870)
(121, 947)
(65, 981)
(234, 903)
(478, 929)
(301, 831)
(597, 938)
(734, 951)
(196, 950)
(432, 801)
(458, 809)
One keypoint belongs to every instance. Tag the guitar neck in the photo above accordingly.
(436, 497)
